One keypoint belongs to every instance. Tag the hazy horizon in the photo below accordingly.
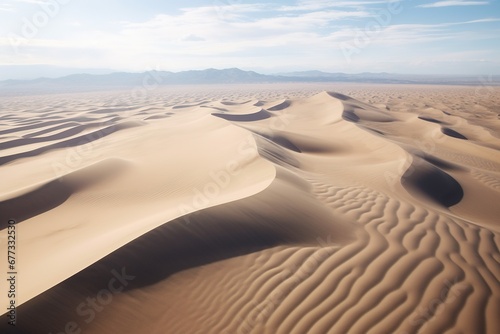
(457, 37)
(35, 72)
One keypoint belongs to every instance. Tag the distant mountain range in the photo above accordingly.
(87, 82)
(30, 72)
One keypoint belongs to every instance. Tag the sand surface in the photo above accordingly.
(254, 209)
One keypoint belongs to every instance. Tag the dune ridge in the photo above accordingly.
(293, 212)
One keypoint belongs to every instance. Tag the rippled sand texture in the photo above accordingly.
(255, 209)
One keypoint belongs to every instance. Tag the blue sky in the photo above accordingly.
(408, 36)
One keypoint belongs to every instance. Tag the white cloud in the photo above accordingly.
(307, 34)
(306, 5)
(231, 28)
(486, 20)
(452, 3)
(36, 2)
(408, 35)
(193, 38)
(6, 8)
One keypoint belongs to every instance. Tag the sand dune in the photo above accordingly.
(255, 209)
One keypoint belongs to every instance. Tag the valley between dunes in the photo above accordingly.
(254, 209)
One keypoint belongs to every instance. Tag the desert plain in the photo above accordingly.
(278, 208)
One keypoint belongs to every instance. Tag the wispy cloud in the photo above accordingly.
(38, 2)
(451, 24)
(481, 21)
(10, 5)
(6, 8)
(408, 35)
(453, 3)
(307, 5)
(193, 38)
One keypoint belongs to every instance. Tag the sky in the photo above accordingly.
(409, 36)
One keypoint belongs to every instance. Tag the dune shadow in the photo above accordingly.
(350, 116)
(34, 202)
(232, 103)
(157, 117)
(452, 133)
(258, 116)
(339, 96)
(59, 136)
(440, 163)
(283, 105)
(274, 152)
(430, 119)
(216, 108)
(433, 183)
(189, 105)
(54, 193)
(31, 127)
(375, 131)
(77, 141)
(111, 110)
(55, 128)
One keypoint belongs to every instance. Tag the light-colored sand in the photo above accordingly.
(255, 209)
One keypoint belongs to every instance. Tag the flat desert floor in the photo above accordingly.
(297, 208)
